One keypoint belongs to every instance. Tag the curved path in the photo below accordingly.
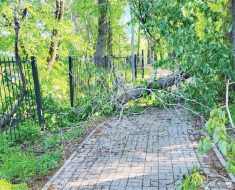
(148, 151)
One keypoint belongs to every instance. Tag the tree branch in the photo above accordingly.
(7, 117)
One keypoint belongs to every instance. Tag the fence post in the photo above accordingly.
(138, 59)
(135, 66)
(142, 63)
(106, 62)
(37, 90)
(71, 81)
(148, 56)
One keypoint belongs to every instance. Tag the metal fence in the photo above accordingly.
(10, 85)
(85, 75)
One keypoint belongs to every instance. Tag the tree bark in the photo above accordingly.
(55, 43)
(110, 37)
(163, 83)
(102, 32)
(139, 39)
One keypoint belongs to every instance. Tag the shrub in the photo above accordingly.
(5, 185)
(56, 115)
(17, 166)
(51, 141)
(191, 181)
(47, 162)
(29, 132)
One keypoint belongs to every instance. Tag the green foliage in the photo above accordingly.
(134, 107)
(5, 185)
(29, 132)
(205, 145)
(51, 141)
(57, 115)
(47, 162)
(192, 181)
(96, 102)
(218, 132)
(17, 166)
(20, 163)
(194, 36)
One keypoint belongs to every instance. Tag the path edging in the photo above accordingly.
(49, 183)
(221, 159)
(223, 162)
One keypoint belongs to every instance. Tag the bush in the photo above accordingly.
(47, 162)
(56, 115)
(17, 166)
(51, 141)
(5, 185)
(29, 132)
(192, 181)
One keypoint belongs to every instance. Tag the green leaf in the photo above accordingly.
(205, 146)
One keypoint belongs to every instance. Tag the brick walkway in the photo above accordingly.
(149, 151)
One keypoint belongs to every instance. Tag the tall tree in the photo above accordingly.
(102, 31)
(55, 34)
(110, 31)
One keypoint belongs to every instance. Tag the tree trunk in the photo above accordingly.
(102, 32)
(165, 82)
(139, 39)
(110, 38)
(55, 43)
(151, 53)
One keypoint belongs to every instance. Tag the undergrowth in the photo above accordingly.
(6, 185)
(191, 181)
(220, 134)
(38, 150)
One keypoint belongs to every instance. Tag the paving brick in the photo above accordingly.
(150, 151)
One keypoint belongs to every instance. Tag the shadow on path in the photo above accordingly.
(149, 151)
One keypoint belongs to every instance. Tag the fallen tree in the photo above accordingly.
(170, 80)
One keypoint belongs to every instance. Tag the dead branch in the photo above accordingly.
(153, 84)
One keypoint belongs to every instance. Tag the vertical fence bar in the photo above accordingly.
(142, 65)
(135, 66)
(138, 59)
(37, 90)
(71, 81)
(106, 62)
(148, 56)
(126, 67)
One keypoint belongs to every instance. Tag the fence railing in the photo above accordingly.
(10, 87)
(85, 75)
(84, 78)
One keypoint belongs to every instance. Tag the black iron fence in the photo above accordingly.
(85, 75)
(10, 87)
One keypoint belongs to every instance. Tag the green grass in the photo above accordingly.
(38, 152)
